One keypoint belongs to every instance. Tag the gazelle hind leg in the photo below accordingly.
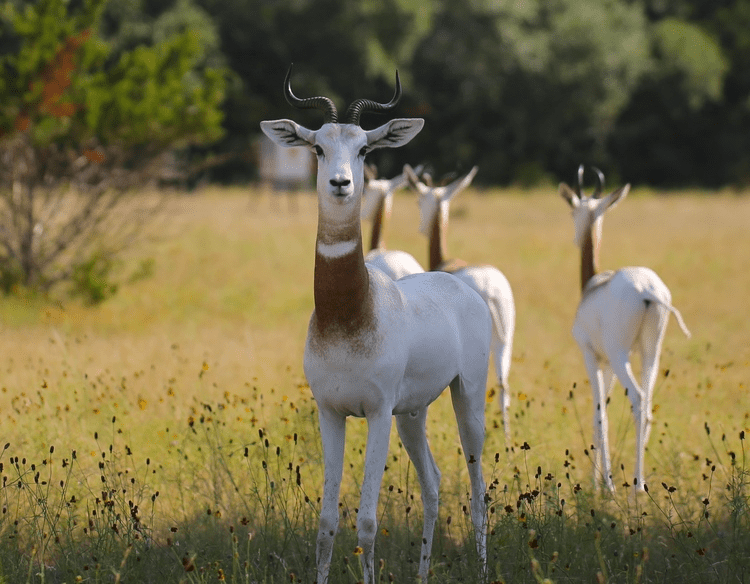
(602, 460)
(412, 431)
(468, 405)
(652, 336)
(501, 358)
(624, 372)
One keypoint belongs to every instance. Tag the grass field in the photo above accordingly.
(168, 435)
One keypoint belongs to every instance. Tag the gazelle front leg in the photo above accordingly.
(333, 435)
(378, 438)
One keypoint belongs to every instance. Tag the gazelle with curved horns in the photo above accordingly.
(378, 347)
(376, 207)
(488, 281)
(619, 312)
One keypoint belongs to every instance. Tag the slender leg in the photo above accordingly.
(411, 429)
(602, 460)
(468, 404)
(333, 434)
(624, 372)
(652, 336)
(378, 437)
(501, 357)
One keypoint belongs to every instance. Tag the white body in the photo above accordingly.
(377, 347)
(619, 312)
(394, 263)
(489, 282)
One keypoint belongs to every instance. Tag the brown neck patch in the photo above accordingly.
(437, 245)
(343, 303)
(377, 241)
(589, 257)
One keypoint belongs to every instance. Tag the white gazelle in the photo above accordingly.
(376, 208)
(619, 312)
(488, 281)
(378, 347)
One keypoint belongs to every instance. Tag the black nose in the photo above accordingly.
(340, 183)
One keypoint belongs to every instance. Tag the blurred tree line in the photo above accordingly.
(652, 91)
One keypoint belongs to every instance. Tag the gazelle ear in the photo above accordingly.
(568, 194)
(615, 197)
(414, 181)
(459, 185)
(395, 133)
(288, 133)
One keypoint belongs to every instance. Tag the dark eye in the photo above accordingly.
(363, 151)
(318, 150)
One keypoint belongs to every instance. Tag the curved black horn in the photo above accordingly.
(580, 180)
(600, 183)
(321, 103)
(364, 105)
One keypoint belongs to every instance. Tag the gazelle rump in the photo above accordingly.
(376, 207)
(619, 312)
(377, 347)
(489, 282)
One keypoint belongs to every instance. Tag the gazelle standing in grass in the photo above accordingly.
(376, 208)
(488, 281)
(378, 347)
(619, 312)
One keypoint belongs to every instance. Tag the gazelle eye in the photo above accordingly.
(318, 150)
(363, 151)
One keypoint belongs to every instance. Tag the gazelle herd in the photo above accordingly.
(386, 338)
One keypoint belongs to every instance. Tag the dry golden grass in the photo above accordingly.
(226, 308)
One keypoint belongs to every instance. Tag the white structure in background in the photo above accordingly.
(285, 169)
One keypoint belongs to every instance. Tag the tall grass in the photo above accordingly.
(168, 435)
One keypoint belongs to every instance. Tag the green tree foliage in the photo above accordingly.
(81, 125)
(527, 88)
(339, 47)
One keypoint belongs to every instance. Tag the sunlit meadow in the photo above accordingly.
(168, 435)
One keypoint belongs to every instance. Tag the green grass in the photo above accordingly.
(197, 454)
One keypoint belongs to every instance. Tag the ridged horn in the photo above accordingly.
(355, 110)
(600, 182)
(321, 103)
(580, 181)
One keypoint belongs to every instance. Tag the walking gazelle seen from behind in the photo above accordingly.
(489, 282)
(619, 312)
(376, 207)
(378, 347)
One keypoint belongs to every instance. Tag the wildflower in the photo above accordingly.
(358, 551)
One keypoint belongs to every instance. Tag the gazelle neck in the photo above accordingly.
(590, 253)
(341, 281)
(437, 241)
(377, 241)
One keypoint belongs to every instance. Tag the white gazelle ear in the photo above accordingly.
(395, 133)
(458, 185)
(288, 133)
(568, 194)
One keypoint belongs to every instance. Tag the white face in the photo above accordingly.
(374, 192)
(341, 151)
(429, 206)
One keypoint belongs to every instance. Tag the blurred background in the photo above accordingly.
(99, 99)
(654, 92)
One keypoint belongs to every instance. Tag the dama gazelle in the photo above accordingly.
(378, 347)
(619, 312)
(376, 207)
(488, 281)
